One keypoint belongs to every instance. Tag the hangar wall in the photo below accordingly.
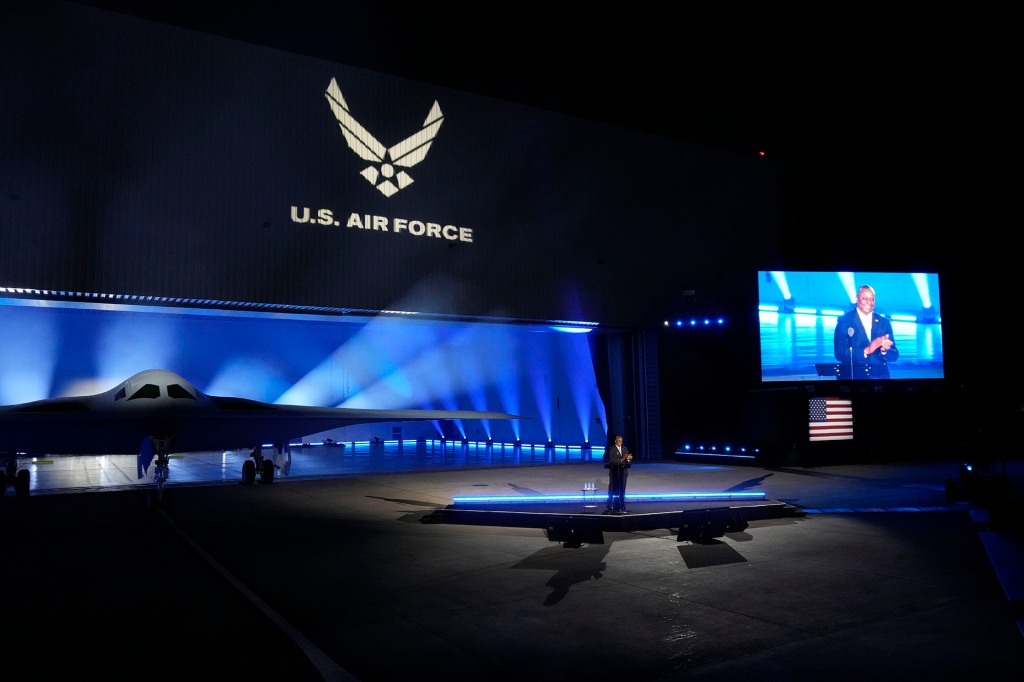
(138, 158)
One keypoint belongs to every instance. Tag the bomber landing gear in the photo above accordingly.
(258, 464)
(161, 470)
(248, 472)
(13, 476)
(21, 482)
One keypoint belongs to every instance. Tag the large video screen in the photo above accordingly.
(843, 326)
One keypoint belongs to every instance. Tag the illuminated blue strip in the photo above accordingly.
(866, 510)
(163, 301)
(599, 494)
(703, 453)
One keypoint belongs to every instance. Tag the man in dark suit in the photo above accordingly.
(617, 460)
(864, 344)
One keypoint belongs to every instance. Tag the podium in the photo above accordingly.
(827, 369)
(860, 370)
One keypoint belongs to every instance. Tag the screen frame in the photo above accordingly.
(797, 312)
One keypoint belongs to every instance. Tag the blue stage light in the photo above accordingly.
(632, 497)
(696, 322)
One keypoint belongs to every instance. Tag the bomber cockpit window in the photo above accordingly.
(179, 391)
(147, 391)
(120, 394)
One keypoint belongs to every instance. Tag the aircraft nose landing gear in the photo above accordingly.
(161, 469)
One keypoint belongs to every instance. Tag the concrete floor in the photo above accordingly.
(333, 572)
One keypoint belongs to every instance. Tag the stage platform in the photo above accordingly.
(582, 520)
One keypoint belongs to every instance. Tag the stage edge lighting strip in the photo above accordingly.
(634, 497)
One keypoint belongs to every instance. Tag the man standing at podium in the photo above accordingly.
(617, 460)
(864, 344)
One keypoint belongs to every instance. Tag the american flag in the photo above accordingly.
(831, 419)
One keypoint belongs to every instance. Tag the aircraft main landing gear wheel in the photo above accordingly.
(248, 472)
(21, 482)
(267, 475)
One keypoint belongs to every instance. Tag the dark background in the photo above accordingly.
(882, 126)
(887, 130)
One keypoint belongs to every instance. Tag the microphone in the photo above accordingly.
(849, 332)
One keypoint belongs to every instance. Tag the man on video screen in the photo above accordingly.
(864, 344)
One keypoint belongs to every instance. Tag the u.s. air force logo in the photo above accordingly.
(381, 173)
